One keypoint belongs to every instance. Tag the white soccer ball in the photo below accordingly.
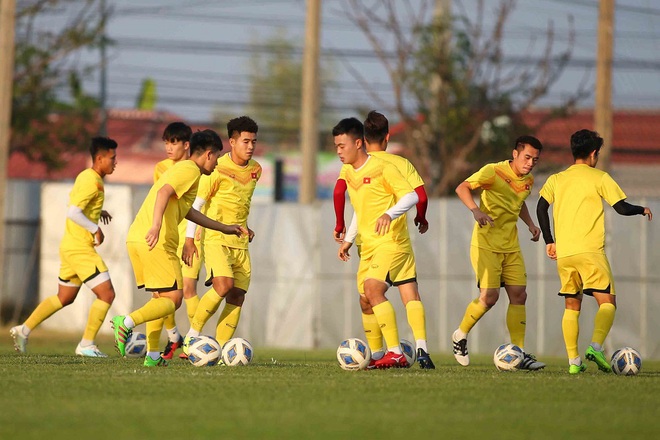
(626, 361)
(237, 352)
(507, 357)
(204, 351)
(136, 345)
(408, 351)
(353, 354)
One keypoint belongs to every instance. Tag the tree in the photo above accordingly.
(51, 115)
(148, 95)
(468, 98)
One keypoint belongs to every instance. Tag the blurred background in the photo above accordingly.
(459, 80)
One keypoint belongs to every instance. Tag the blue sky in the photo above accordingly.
(195, 50)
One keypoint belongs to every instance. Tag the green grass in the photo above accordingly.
(53, 394)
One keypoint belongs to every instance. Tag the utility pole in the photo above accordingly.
(603, 109)
(7, 24)
(309, 133)
(103, 92)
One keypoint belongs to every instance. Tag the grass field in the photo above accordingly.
(53, 394)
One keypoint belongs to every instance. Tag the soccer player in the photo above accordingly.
(374, 186)
(153, 239)
(177, 146)
(578, 215)
(79, 261)
(228, 264)
(495, 252)
(376, 136)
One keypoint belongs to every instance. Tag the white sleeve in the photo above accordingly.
(76, 215)
(403, 205)
(192, 227)
(352, 231)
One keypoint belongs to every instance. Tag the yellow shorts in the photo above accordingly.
(192, 271)
(77, 266)
(391, 266)
(495, 269)
(224, 261)
(586, 273)
(156, 270)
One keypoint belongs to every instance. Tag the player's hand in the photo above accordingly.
(98, 237)
(105, 217)
(152, 237)
(536, 232)
(250, 235)
(189, 251)
(339, 235)
(482, 218)
(422, 224)
(343, 251)
(551, 251)
(648, 213)
(198, 233)
(383, 224)
(236, 230)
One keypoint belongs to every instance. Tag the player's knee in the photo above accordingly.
(66, 299)
(235, 297)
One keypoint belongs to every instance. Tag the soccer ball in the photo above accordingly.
(408, 351)
(136, 345)
(353, 354)
(237, 352)
(204, 351)
(507, 357)
(626, 361)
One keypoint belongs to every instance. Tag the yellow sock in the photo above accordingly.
(169, 321)
(191, 306)
(207, 306)
(154, 329)
(516, 318)
(97, 314)
(227, 323)
(473, 313)
(386, 317)
(570, 327)
(603, 322)
(43, 311)
(416, 319)
(155, 308)
(372, 331)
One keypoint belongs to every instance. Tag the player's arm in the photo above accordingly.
(464, 193)
(422, 205)
(76, 215)
(524, 216)
(339, 199)
(542, 208)
(205, 222)
(624, 208)
(189, 249)
(348, 240)
(404, 205)
(162, 199)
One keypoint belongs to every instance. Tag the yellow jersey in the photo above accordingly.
(502, 198)
(577, 194)
(373, 189)
(161, 167)
(184, 178)
(229, 197)
(87, 194)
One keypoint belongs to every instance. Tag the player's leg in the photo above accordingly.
(516, 322)
(231, 314)
(599, 283)
(371, 331)
(101, 286)
(487, 266)
(417, 320)
(571, 290)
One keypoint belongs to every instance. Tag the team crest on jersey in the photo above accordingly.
(254, 175)
(232, 176)
(527, 187)
(366, 180)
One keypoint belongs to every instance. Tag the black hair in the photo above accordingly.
(177, 132)
(349, 126)
(583, 142)
(238, 125)
(101, 144)
(200, 141)
(376, 127)
(528, 140)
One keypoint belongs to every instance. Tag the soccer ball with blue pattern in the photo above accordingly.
(507, 357)
(409, 351)
(626, 361)
(136, 345)
(204, 351)
(353, 354)
(237, 352)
